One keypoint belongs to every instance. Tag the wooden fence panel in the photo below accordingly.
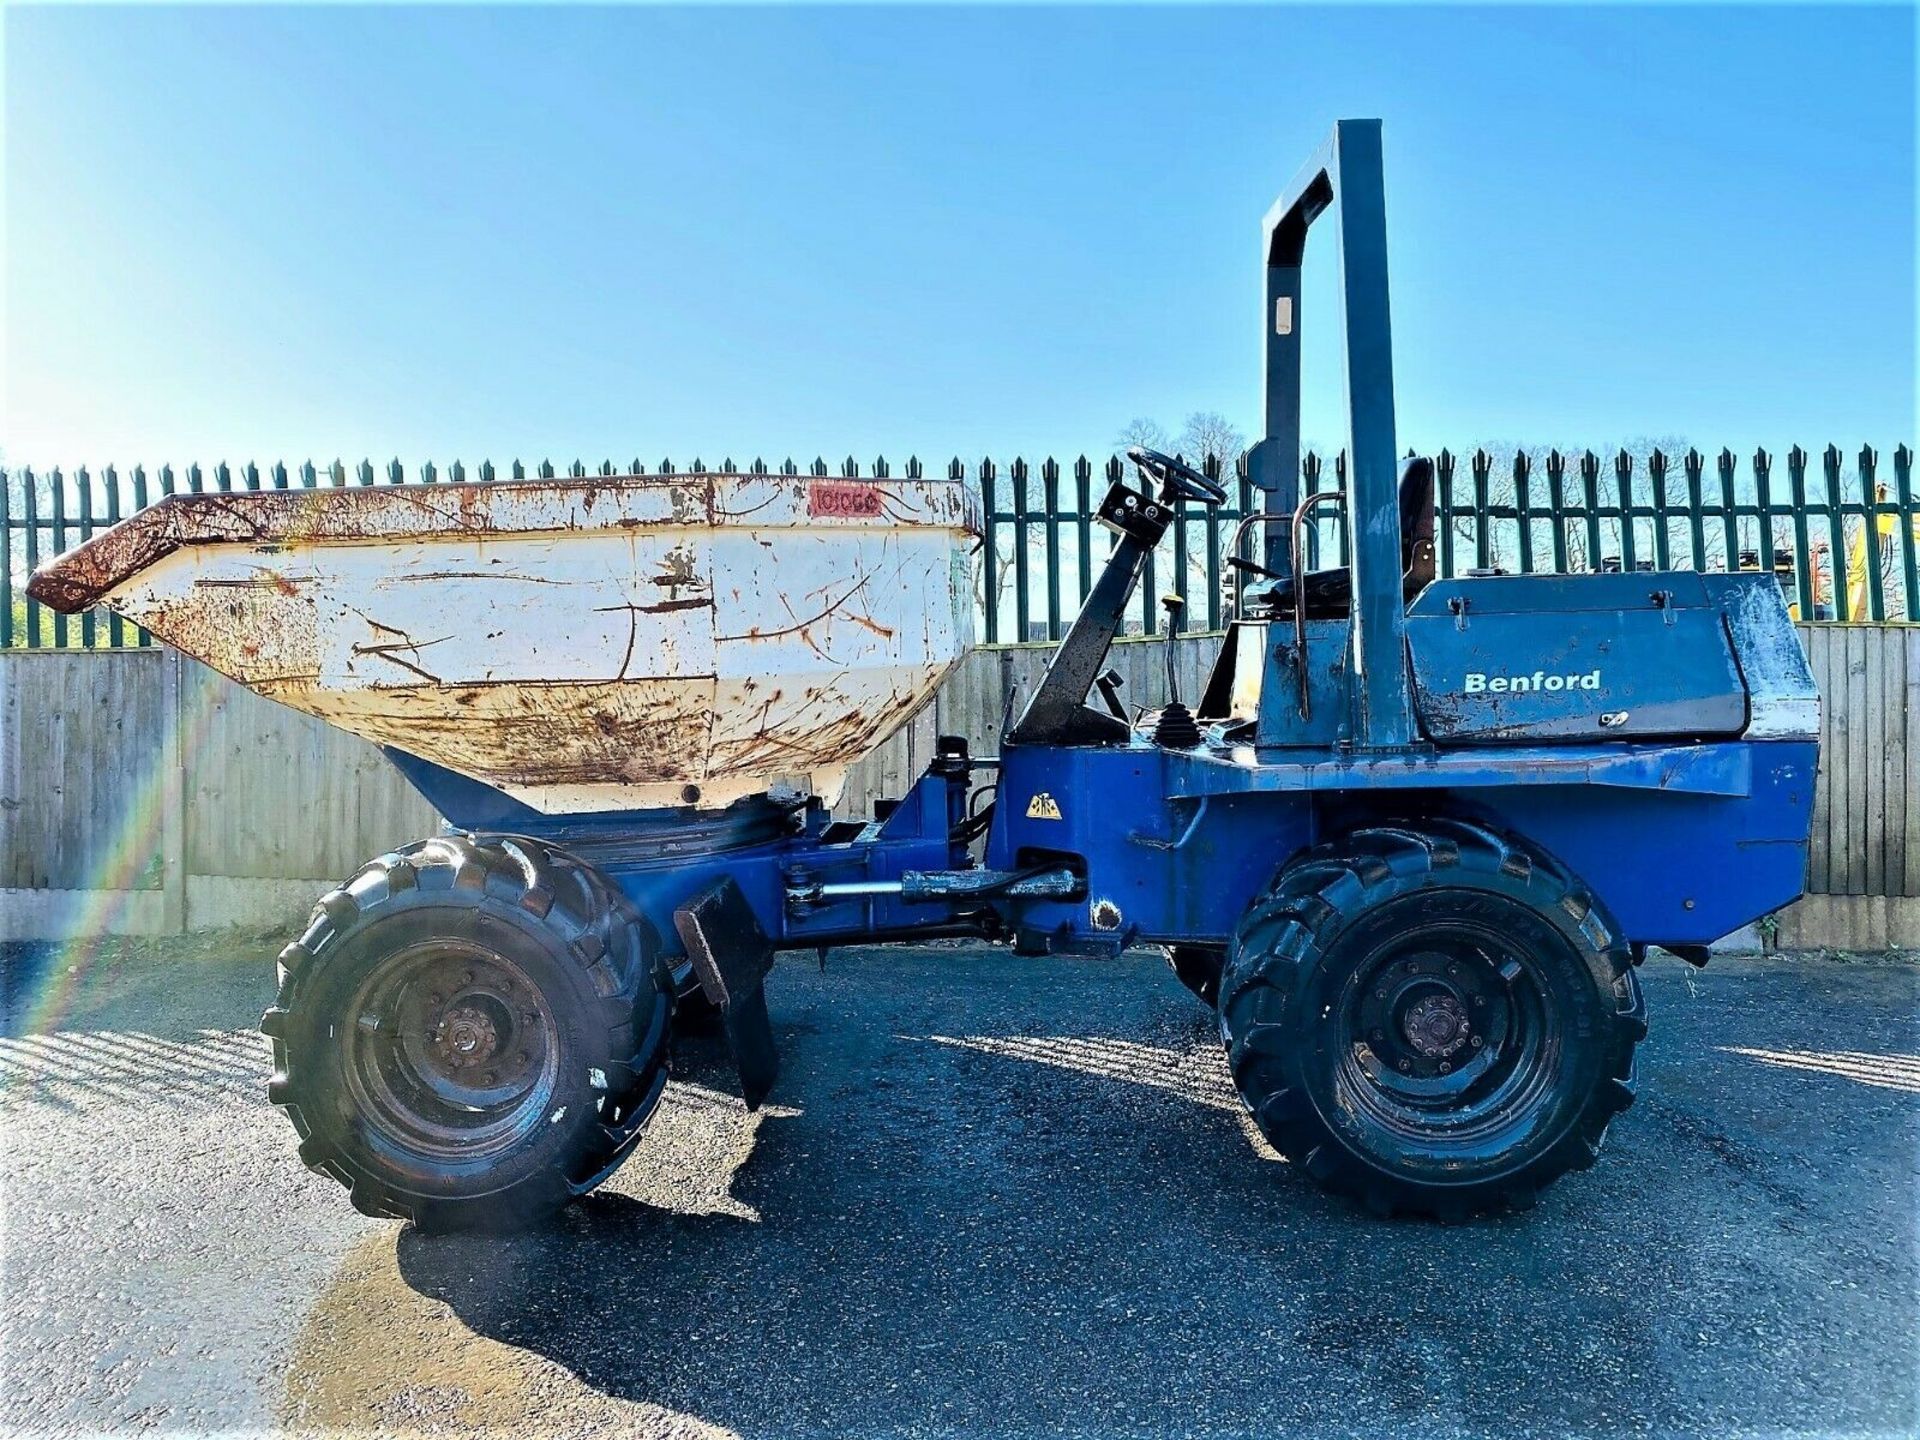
(81, 750)
(274, 794)
(111, 780)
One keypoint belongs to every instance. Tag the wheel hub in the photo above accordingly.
(466, 1038)
(1436, 1026)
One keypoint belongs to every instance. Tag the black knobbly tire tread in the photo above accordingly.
(1294, 927)
(619, 1000)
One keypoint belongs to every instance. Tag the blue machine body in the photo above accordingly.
(1656, 733)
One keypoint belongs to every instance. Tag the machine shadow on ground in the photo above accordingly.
(1024, 1231)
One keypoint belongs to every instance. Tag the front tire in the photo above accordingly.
(1432, 1020)
(469, 1033)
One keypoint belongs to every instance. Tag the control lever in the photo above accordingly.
(1173, 605)
(1176, 728)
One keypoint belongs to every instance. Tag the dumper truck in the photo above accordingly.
(1410, 843)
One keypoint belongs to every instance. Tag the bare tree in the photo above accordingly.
(1141, 430)
(1208, 432)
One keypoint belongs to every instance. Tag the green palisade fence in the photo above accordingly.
(1841, 531)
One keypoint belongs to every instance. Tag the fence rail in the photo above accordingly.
(1844, 541)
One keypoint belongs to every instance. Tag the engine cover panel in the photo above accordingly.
(1527, 659)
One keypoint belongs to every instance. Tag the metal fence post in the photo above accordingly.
(1870, 537)
(1022, 578)
(1050, 498)
(58, 514)
(1212, 514)
(116, 627)
(1836, 533)
(989, 550)
(29, 507)
(1729, 515)
(1083, 522)
(1557, 502)
(1590, 509)
(1802, 545)
(1693, 461)
(6, 559)
(83, 488)
(1909, 520)
(1523, 512)
(1482, 539)
(140, 503)
(1662, 541)
(1623, 488)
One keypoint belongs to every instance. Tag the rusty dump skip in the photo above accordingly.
(588, 644)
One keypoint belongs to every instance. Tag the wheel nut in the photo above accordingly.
(493, 1077)
(1477, 1042)
(1405, 1065)
(1379, 994)
(1446, 1068)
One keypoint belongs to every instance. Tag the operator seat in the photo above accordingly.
(1329, 592)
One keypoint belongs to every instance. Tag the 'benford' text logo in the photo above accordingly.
(1478, 682)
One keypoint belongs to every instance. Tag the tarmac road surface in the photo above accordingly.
(993, 1196)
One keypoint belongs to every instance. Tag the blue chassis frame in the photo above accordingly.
(1681, 843)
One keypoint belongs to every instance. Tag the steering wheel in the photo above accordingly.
(1177, 477)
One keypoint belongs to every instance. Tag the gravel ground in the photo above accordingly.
(994, 1196)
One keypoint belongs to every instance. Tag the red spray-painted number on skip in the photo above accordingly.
(844, 498)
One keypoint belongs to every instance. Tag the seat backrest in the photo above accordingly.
(1416, 522)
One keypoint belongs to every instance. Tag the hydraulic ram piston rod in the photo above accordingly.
(930, 886)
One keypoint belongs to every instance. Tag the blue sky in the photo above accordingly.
(464, 232)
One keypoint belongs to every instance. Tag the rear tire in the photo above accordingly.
(1431, 1019)
(470, 1033)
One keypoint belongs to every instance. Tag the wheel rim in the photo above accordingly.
(452, 1052)
(1447, 1032)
